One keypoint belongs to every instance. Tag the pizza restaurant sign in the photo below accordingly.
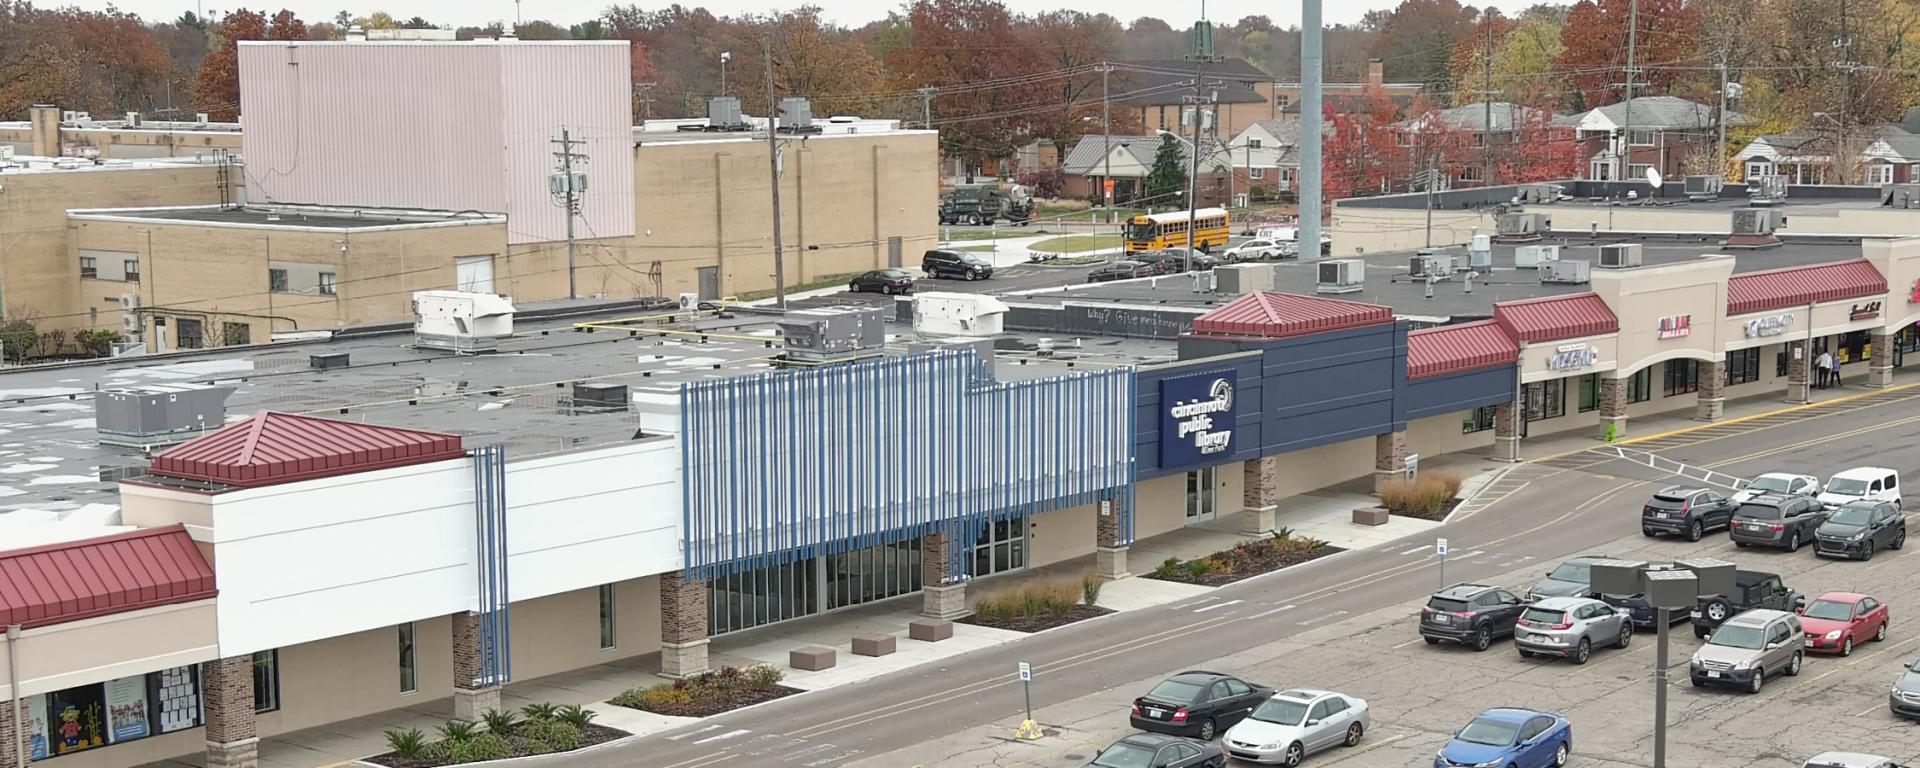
(1676, 326)
(1568, 357)
(1197, 415)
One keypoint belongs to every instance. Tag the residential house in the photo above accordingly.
(1520, 143)
(1127, 160)
(1241, 91)
(1889, 154)
(1265, 157)
(1668, 132)
(1345, 98)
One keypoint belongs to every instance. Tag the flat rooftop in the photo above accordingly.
(52, 463)
(695, 129)
(1389, 283)
(24, 164)
(291, 216)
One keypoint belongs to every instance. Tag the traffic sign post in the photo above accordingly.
(1440, 548)
(1029, 730)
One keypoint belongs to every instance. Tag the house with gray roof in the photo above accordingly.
(1667, 133)
(1886, 154)
(1128, 159)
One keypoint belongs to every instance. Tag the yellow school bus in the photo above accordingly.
(1159, 231)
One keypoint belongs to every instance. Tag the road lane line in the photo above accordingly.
(724, 736)
(702, 761)
(692, 733)
(1465, 555)
(1288, 607)
(1218, 605)
(1416, 550)
(1318, 619)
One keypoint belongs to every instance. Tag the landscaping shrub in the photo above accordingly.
(500, 721)
(765, 675)
(541, 736)
(1200, 567)
(712, 692)
(1425, 496)
(538, 711)
(1167, 567)
(410, 743)
(457, 731)
(1052, 597)
(1090, 584)
(578, 716)
(479, 747)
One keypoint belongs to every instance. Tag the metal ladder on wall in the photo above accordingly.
(1663, 464)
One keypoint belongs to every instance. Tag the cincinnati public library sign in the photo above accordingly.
(1197, 415)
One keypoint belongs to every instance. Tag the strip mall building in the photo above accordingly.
(394, 525)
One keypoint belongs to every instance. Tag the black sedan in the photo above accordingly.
(1119, 270)
(888, 281)
(1147, 750)
(1197, 703)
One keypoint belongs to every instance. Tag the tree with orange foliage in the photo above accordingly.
(216, 90)
(1595, 40)
(104, 62)
(1364, 155)
(959, 45)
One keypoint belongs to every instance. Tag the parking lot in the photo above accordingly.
(1419, 693)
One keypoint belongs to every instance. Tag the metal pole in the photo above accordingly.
(1806, 366)
(13, 692)
(773, 169)
(1193, 174)
(566, 168)
(1106, 139)
(1486, 99)
(1026, 687)
(1660, 688)
(1720, 118)
(1623, 162)
(1310, 126)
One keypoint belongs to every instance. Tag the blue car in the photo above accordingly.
(1509, 738)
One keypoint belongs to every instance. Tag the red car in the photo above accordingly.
(1837, 620)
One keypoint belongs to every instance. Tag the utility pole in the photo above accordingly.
(773, 167)
(1106, 138)
(926, 107)
(1201, 56)
(567, 189)
(646, 100)
(1843, 156)
(1720, 115)
(1623, 161)
(1311, 119)
(1486, 98)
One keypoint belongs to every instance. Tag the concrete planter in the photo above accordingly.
(1370, 516)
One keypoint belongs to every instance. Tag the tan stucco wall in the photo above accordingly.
(1316, 468)
(74, 653)
(1380, 230)
(1640, 297)
(359, 674)
(1438, 435)
(149, 507)
(561, 632)
(1062, 534)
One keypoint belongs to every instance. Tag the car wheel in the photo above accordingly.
(1846, 646)
(1431, 640)
(1793, 542)
(1880, 635)
(1899, 540)
(1560, 755)
(1583, 651)
(1648, 532)
(1759, 680)
(886, 290)
(1695, 531)
(1717, 611)
(1742, 544)
(1525, 654)
(1482, 639)
(1208, 729)
(853, 287)
(1295, 754)
(1793, 664)
(1866, 550)
(1354, 732)
(1626, 635)
(1699, 683)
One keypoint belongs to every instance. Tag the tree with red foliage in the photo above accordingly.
(1539, 150)
(1363, 151)
(100, 62)
(960, 45)
(216, 90)
(1595, 40)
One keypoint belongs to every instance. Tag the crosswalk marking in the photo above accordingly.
(693, 733)
(1216, 605)
(1288, 607)
(724, 736)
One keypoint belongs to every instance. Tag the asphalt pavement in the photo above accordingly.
(1312, 622)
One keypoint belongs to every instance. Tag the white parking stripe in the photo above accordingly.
(1417, 550)
(1463, 555)
(1217, 605)
(724, 736)
(693, 733)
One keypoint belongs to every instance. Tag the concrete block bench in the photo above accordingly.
(872, 645)
(930, 630)
(1370, 516)
(812, 658)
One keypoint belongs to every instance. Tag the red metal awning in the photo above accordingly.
(1457, 348)
(271, 448)
(1800, 286)
(101, 576)
(1271, 315)
(1556, 317)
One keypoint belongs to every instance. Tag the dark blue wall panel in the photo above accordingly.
(1457, 392)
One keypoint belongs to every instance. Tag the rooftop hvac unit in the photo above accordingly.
(1566, 272)
(1532, 194)
(133, 119)
(1620, 256)
(1758, 221)
(689, 302)
(1521, 226)
(459, 321)
(833, 335)
(1533, 256)
(1236, 279)
(796, 115)
(598, 396)
(1767, 190)
(148, 417)
(1480, 256)
(1703, 188)
(723, 112)
(1432, 262)
(1341, 276)
(958, 314)
(1900, 195)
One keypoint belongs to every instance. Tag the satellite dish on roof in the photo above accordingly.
(1653, 178)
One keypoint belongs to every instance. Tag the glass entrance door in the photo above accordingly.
(1201, 495)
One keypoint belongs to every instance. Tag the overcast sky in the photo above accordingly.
(848, 12)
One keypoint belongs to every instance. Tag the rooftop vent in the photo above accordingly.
(594, 397)
(1900, 195)
(1620, 256)
(1340, 276)
(327, 361)
(834, 335)
(459, 321)
(159, 415)
(1566, 272)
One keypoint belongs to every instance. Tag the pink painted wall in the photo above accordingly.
(440, 126)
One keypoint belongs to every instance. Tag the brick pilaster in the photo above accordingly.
(226, 686)
(1389, 458)
(473, 696)
(1712, 397)
(1110, 553)
(1880, 363)
(1260, 495)
(683, 625)
(11, 737)
(1613, 407)
(933, 559)
(1506, 432)
(941, 597)
(1797, 367)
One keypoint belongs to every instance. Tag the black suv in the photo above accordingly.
(960, 264)
(1751, 589)
(1776, 520)
(1689, 512)
(1471, 614)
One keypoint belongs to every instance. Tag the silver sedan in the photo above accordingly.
(1570, 627)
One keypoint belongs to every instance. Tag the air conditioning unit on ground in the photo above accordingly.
(1532, 256)
(1900, 195)
(1521, 226)
(1767, 190)
(1703, 188)
(1620, 256)
(1566, 272)
(1430, 262)
(1341, 276)
(1758, 221)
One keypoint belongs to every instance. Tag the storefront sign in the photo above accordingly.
(1914, 297)
(1196, 418)
(127, 708)
(1568, 357)
(1867, 311)
(1769, 326)
(1676, 326)
(36, 726)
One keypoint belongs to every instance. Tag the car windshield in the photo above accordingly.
(1769, 484)
(1490, 732)
(1543, 616)
(1140, 231)
(1737, 636)
(1175, 690)
(1847, 486)
(1577, 572)
(1281, 712)
(1124, 755)
(1759, 512)
(1914, 667)
(1830, 609)
(1851, 515)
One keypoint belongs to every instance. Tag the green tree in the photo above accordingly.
(1168, 176)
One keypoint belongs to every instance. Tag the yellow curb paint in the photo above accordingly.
(1733, 421)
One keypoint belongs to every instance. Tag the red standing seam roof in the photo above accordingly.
(1556, 317)
(1800, 286)
(1456, 348)
(269, 448)
(1271, 315)
(83, 579)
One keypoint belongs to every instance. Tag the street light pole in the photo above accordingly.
(1660, 687)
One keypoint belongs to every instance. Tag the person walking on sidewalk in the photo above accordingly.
(1821, 367)
(1835, 371)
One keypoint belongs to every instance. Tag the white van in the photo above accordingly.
(1862, 484)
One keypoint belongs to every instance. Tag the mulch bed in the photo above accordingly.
(1254, 563)
(1445, 509)
(589, 736)
(1037, 623)
(713, 705)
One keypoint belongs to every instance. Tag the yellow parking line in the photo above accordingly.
(1870, 710)
(1737, 420)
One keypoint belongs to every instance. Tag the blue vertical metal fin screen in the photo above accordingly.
(789, 465)
(490, 531)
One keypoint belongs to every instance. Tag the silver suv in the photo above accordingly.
(1570, 627)
(1747, 648)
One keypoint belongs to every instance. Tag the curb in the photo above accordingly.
(1732, 421)
(1498, 475)
(363, 762)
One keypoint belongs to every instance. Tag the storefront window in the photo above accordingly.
(1545, 400)
(409, 682)
(121, 710)
(1478, 420)
(606, 617)
(1743, 365)
(78, 716)
(875, 573)
(1640, 386)
(266, 681)
(1590, 392)
(748, 599)
(1682, 377)
(1200, 493)
(1001, 547)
